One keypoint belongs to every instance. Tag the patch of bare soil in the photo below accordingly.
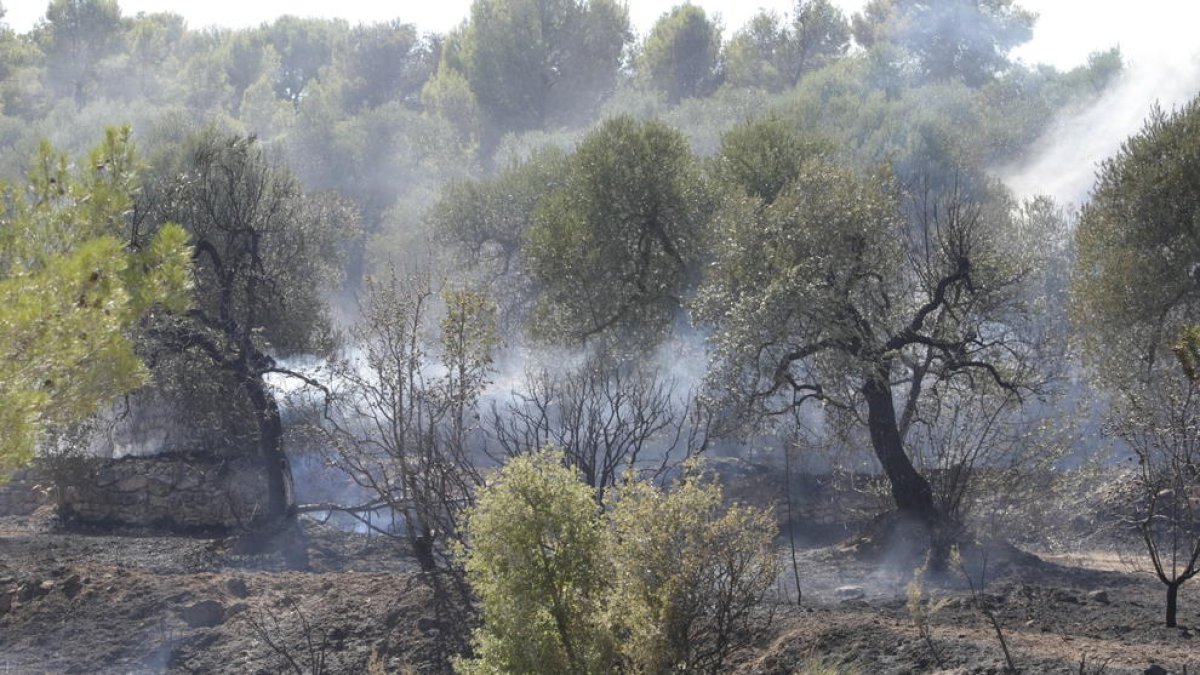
(78, 602)
(140, 602)
(1055, 619)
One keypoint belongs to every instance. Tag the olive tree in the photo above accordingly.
(266, 255)
(617, 247)
(1135, 300)
(1134, 289)
(844, 291)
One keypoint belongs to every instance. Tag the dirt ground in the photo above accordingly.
(92, 602)
(79, 602)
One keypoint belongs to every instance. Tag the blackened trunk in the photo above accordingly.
(1172, 603)
(910, 490)
(270, 448)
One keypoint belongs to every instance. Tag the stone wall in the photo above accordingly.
(22, 493)
(193, 492)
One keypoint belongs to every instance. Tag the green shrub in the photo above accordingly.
(671, 576)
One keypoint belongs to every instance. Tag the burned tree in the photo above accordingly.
(831, 293)
(1162, 427)
(401, 419)
(606, 418)
(265, 256)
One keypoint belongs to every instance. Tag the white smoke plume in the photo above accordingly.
(1162, 67)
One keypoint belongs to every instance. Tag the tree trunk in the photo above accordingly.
(270, 447)
(910, 490)
(1172, 603)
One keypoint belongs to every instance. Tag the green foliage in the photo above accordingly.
(682, 55)
(666, 580)
(533, 63)
(383, 62)
(1140, 225)
(967, 40)
(70, 292)
(689, 572)
(761, 158)
(771, 56)
(76, 36)
(537, 559)
(616, 248)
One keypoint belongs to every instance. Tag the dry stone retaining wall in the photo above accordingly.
(173, 491)
(21, 494)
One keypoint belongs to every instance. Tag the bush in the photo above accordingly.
(537, 560)
(672, 576)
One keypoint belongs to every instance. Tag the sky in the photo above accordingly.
(1068, 30)
(1155, 37)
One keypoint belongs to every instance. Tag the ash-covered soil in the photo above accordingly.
(94, 602)
(1055, 618)
(86, 602)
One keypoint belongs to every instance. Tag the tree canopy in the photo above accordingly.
(682, 54)
(955, 39)
(830, 293)
(1140, 224)
(616, 248)
(71, 291)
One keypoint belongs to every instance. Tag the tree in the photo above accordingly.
(1139, 225)
(829, 294)
(953, 39)
(682, 55)
(537, 559)
(398, 428)
(617, 248)
(538, 63)
(154, 44)
(774, 57)
(71, 292)
(1160, 427)
(384, 62)
(611, 421)
(266, 254)
(75, 36)
(1134, 297)
(305, 46)
(485, 223)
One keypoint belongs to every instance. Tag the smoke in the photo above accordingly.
(1162, 67)
(1065, 160)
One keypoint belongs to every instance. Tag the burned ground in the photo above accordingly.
(104, 602)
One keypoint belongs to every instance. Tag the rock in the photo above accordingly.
(237, 587)
(850, 593)
(203, 614)
(135, 483)
(32, 589)
(1098, 596)
(1059, 595)
(1155, 669)
(71, 586)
